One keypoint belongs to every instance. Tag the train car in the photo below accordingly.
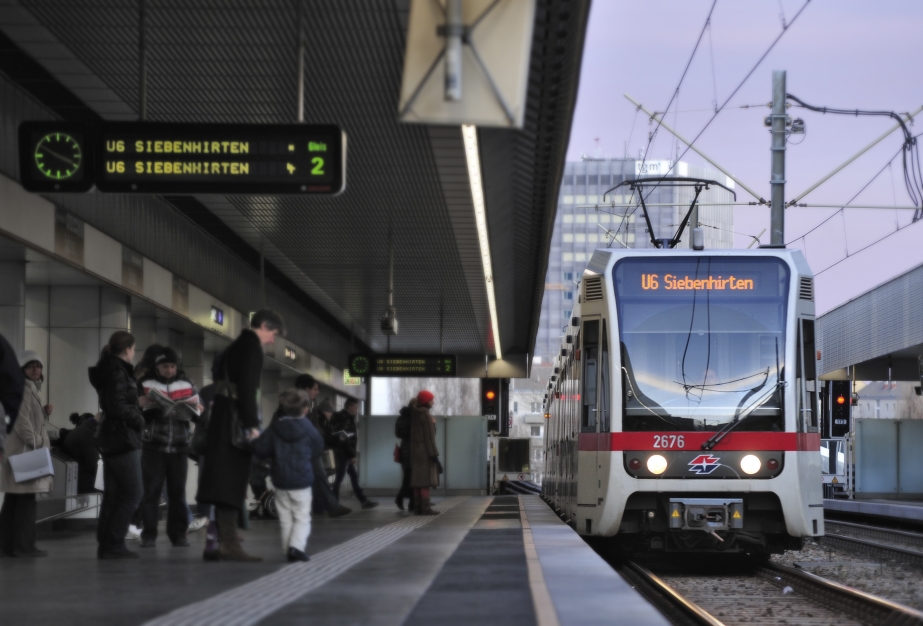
(682, 413)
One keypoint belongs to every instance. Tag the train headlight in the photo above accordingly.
(772, 465)
(635, 464)
(750, 464)
(656, 464)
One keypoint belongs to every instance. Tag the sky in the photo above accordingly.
(838, 53)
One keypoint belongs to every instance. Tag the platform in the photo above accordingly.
(505, 559)
(905, 510)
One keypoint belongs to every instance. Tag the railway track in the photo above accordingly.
(899, 545)
(769, 594)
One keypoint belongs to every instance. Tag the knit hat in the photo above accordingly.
(28, 356)
(166, 355)
(325, 407)
(425, 397)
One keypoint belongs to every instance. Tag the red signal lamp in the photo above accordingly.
(840, 400)
(491, 395)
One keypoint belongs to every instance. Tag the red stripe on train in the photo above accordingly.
(606, 442)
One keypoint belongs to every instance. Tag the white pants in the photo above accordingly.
(294, 507)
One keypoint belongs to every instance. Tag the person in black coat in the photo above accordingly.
(344, 431)
(80, 445)
(402, 432)
(119, 439)
(223, 480)
(12, 385)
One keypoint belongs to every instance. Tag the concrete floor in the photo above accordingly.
(380, 566)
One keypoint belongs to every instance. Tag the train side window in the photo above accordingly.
(604, 383)
(590, 381)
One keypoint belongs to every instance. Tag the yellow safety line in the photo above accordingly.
(545, 613)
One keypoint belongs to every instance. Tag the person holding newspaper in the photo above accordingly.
(170, 402)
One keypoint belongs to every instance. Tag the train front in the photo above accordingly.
(714, 442)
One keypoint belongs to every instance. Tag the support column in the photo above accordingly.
(13, 303)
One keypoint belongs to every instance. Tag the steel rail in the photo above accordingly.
(872, 548)
(689, 609)
(879, 531)
(845, 599)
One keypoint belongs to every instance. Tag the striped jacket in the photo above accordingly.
(169, 432)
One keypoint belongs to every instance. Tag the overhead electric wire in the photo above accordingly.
(736, 89)
(913, 173)
(877, 241)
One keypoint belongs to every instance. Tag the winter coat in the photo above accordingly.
(80, 445)
(169, 433)
(223, 477)
(12, 386)
(291, 443)
(120, 429)
(402, 432)
(344, 421)
(28, 434)
(322, 424)
(423, 451)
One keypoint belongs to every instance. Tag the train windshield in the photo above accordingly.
(702, 341)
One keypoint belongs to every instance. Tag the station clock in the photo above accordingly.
(55, 157)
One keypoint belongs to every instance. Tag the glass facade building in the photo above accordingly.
(585, 222)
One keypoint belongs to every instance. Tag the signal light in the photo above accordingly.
(840, 400)
(772, 465)
(491, 395)
(635, 464)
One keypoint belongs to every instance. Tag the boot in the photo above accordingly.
(426, 509)
(417, 505)
(399, 501)
(228, 544)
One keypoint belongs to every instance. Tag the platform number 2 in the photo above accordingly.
(318, 169)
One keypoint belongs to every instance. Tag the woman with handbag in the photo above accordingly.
(233, 420)
(17, 517)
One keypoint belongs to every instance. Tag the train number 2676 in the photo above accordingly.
(669, 441)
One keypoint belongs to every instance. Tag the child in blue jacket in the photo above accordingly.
(291, 441)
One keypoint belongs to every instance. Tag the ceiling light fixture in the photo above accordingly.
(470, 137)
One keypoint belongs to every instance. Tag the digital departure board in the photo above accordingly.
(398, 365)
(55, 157)
(145, 157)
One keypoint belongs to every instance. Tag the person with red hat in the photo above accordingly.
(424, 456)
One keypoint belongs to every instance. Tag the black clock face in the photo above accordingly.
(59, 156)
(359, 366)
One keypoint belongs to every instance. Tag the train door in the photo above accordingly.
(603, 441)
(588, 414)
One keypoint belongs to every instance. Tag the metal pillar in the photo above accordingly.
(777, 181)
(142, 61)
(455, 29)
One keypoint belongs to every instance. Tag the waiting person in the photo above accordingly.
(119, 438)
(168, 416)
(80, 445)
(323, 498)
(291, 441)
(17, 517)
(344, 430)
(12, 386)
(402, 432)
(223, 478)
(424, 456)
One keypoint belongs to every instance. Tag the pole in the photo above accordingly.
(777, 179)
(300, 64)
(142, 61)
(663, 125)
(455, 28)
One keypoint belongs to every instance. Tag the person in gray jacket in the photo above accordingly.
(17, 517)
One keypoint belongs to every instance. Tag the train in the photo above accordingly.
(682, 412)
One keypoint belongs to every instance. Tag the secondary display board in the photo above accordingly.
(142, 157)
(398, 365)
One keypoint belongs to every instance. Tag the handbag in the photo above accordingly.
(228, 389)
(397, 453)
(33, 464)
(199, 437)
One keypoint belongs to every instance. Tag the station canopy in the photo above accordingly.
(236, 63)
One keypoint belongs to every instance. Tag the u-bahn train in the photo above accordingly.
(682, 413)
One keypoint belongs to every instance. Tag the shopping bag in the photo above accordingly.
(31, 465)
(397, 453)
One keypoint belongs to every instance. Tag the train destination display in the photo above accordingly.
(397, 365)
(143, 157)
(220, 158)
